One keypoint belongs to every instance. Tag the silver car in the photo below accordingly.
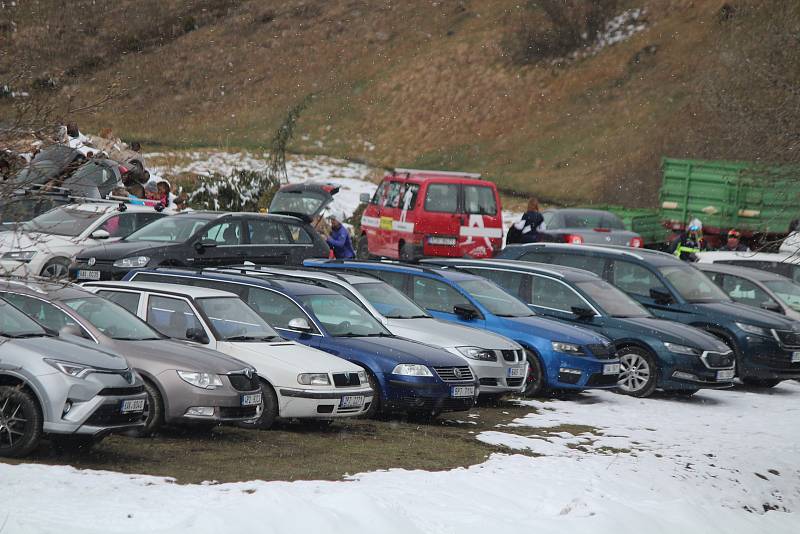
(760, 289)
(585, 226)
(498, 362)
(60, 387)
(184, 384)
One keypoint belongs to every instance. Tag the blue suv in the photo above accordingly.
(408, 376)
(560, 356)
(653, 353)
(766, 344)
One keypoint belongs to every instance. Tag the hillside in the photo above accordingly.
(428, 84)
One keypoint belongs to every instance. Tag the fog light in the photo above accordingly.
(67, 408)
(680, 375)
(201, 411)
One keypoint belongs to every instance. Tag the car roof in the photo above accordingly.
(294, 288)
(719, 255)
(427, 175)
(51, 289)
(108, 206)
(560, 271)
(738, 270)
(579, 211)
(158, 287)
(390, 265)
(654, 256)
(318, 187)
(288, 270)
(214, 215)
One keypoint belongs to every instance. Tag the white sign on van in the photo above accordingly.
(475, 228)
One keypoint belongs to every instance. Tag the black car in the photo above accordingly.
(203, 239)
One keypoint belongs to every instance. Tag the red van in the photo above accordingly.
(416, 213)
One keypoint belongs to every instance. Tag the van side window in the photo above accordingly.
(635, 279)
(380, 194)
(479, 199)
(436, 296)
(442, 198)
(408, 197)
(394, 195)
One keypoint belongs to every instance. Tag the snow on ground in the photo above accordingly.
(721, 462)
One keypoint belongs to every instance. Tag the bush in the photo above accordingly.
(240, 191)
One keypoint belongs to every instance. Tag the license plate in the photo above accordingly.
(251, 400)
(795, 357)
(611, 369)
(516, 372)
(463, 391)
(726, 374)
(88, 275)
(352, 401)
(133, 405)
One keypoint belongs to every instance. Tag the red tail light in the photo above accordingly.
(573, 239)
(602, 229)
(636, 242)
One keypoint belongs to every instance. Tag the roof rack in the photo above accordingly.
(473, 175)
(452, 263)
(64, 192)
(423, 268)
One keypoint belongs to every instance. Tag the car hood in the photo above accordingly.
(123, 249)
(674, 332)
(554, 330)
(743, 313)
(398, 350)
(288, 355)
(173, 354)
(22, 240)
(71, 349)
(443, 334)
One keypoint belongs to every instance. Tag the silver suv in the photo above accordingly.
(184, 384)
(61, 387)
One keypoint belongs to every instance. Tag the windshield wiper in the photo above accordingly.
(26, 335)
(408, 316)
(378, 334)
(135, 338)
(249, 338)
(513, 315)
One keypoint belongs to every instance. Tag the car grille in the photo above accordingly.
(430, 405)
(110, 414)
(240, 382)
(788, 338)
(599, 380)
(601, 351)
(511, 355)
(238, 412)
(488, 381)
(346, 380)
(514, 382)
(114, 392)
(717, 359)
(454, 374)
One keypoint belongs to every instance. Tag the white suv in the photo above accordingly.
(44, 245)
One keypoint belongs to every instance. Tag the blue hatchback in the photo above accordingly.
(560, 356)
(409, 376)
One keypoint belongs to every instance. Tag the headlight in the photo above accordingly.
(681, 349)
(753, 329)
(132, 262)
(362, 377)
(567, 348)
(72, 369)
(201, 380)
(314, 379)
(19, 255)
(477, 353)
(411, 369)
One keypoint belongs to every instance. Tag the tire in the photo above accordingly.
(761, 382)
(20, 422)
(270, 412)
(375, 409)
(154, 412)
(536, 381)
(406, 252)
(638, 372)
(57, 269)
(362, 248)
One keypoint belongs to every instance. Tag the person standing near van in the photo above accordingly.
(339, 240)
(530, 227)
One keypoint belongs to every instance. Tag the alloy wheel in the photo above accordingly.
(55, 270)
(634, 374)
(12, 423)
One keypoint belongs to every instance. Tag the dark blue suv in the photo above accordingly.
(653, 353)
(560, 356)
(409, 376)
(766, 344)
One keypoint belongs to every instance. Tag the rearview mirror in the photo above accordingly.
(197, 335)
(364, 198)
(100, 234)
(582, 313)
(661, 296)
(200, 246)
(299, 324)
(465, 311)
(772, 306)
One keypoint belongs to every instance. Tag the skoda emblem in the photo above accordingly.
(91, 261)
(457, 372)
(608, 238)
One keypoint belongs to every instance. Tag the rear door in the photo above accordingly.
(227, 237)
(441, 221)
(481, 232)
(268, 242)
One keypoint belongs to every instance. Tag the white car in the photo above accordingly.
(45, 245)
(297, 381)
(783, 263)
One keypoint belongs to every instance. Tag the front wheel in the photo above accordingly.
(153, 413)
(536, 381)
(761, 382)
(269, 414)
(638, 375)
(374, 409)
(20, 422)
(56, 269)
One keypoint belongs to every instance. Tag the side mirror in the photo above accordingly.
(582, 313)
(465, 311)
(197, 335)
(100, 234)
(364, 198)
(299, 324)
(200, 246)
(72, 330)
(661, 296)
(772, 306)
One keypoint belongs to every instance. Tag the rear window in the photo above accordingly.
(577, 219)
(442, 198)
(479, 199)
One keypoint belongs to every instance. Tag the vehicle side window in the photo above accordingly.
(381, 193)
(514, 283)
(593, 264)
(540, 257)
(299, 235)
(408, 196)
(635, 279)
(276, 309)
(120, 225)
(479, 199)
(436, 296)
(398, 281)
(43, 312)
(268, 233)
(744, 291)
(143, 219)
(552, 294)
(394, 195)
(171, 316)
(126, 299)
(227, 233)
(442, 198)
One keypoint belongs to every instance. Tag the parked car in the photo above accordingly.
(60, 387)
(203, 239)
(653, 353)
(577, 226)
(761, 289)
(405, 376)
(498, 362)
(766, 344)
(20, 206)
(44, 245)
(296, 381)
(559, 356)
(416, 213)
(50, 163)
(185, 384)
(306, 201)
(783, 263)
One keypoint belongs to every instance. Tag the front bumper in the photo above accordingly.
(426, 394)
(98, 416)
(18, 268)
(682, 371)
(321, 403)
(227, 402)
(106, 271)
(581, 372)
(504, 375)
(766, 359)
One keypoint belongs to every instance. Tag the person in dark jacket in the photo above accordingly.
(339, 240)
(530, 227)
(734, 243)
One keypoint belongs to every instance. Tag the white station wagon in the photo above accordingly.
(297, 381)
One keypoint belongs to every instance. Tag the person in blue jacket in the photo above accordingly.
(339, 240)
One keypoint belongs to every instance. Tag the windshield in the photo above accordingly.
(389, 301)
(112, 320)
(494, 299)
(788, 292)
(14, 323)
(168, 229)
(342, 317)
(305, 202)
(21, 209)
(63, 221)
(233, 320)
(611, 300)
(693, 285)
